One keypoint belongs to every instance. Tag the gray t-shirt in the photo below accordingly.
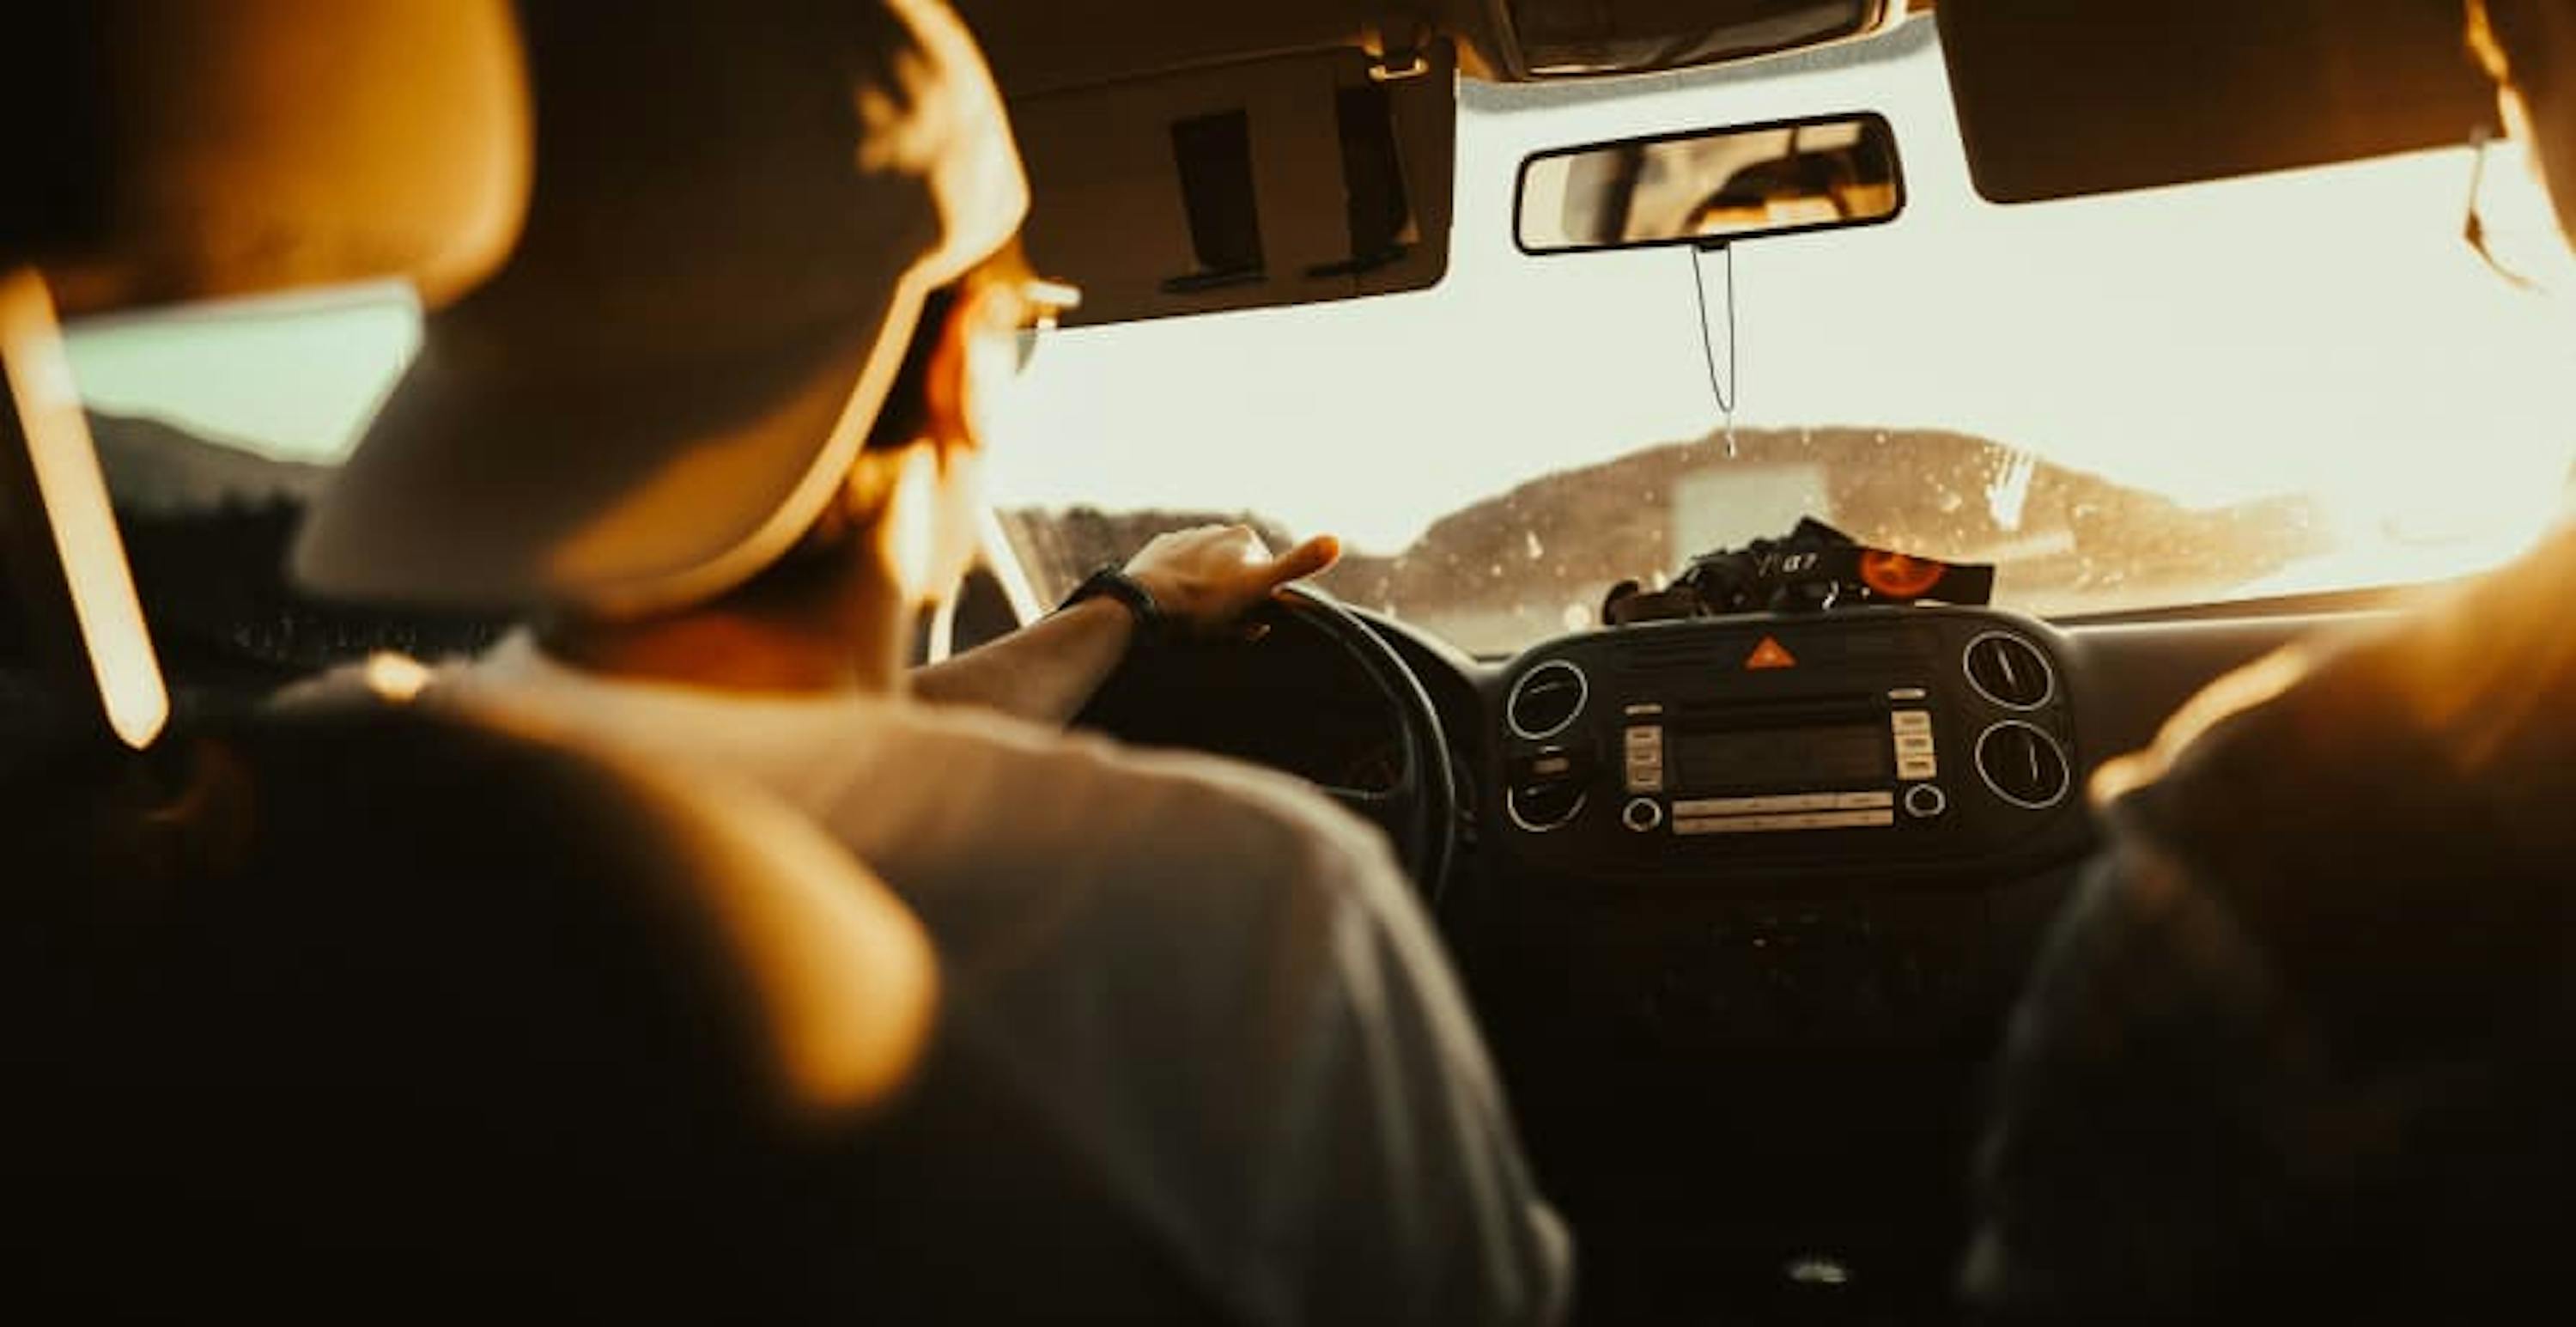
(1217, 985)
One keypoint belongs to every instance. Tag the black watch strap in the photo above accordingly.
(1113, 583)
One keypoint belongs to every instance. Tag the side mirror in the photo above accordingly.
(1711, 187)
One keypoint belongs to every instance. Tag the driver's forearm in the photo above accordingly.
(1044, 672)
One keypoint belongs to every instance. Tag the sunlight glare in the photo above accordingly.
(2323, 333)
(71, 492)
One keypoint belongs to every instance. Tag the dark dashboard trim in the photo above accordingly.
(2126, 672)
(2322, 608)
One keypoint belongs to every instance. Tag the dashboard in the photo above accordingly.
(1886, 740)
(1742, 906)
(1822, 835)
(1747, 907)
(1746, 834)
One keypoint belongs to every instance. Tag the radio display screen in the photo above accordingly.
(1791, 759)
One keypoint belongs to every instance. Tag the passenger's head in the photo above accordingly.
(769, 279)
(2529, 46)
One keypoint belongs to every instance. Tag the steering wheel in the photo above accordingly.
(1419, 813)
(1187, 693)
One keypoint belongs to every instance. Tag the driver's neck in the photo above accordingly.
(850, 637)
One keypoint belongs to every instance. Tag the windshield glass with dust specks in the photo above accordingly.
(2292, 383)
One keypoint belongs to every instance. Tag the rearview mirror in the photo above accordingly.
(1712, 187)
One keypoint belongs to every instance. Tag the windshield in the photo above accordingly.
(2293, 383)
(2298, 382)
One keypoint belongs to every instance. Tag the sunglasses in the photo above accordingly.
(1032, 310)
(2475, 230)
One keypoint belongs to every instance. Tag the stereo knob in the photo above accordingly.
(1926, 801)
(1644, 815)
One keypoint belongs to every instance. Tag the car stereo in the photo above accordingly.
(1921, 731)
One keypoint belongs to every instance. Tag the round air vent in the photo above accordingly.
(1547, 700)
(2010, 671)
(1542, 807)
(2024, 766)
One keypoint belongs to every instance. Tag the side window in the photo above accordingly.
(215, 426)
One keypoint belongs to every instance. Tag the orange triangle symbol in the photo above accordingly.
(1769, 654)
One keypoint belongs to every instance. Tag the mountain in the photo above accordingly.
(208, 521)
(1537, 558)
(206, 527)
(158, 468)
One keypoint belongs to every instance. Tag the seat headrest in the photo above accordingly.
(177, 151)
(364, 1007)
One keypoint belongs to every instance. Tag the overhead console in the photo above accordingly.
(1193, 158)
(1704, 753)
(1542, 39)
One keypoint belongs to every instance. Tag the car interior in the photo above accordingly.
(1743, 773)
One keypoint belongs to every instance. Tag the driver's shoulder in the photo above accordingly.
(1069, 803)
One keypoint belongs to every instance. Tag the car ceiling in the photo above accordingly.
(1043, 45)
(2056, 100)
(1039, 46)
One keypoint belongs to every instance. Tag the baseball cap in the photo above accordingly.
(737, 213)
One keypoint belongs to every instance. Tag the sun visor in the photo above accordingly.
(1296, 179)
(2059, 100)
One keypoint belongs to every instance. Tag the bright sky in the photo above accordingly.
(2316, 331)
(2323, 331)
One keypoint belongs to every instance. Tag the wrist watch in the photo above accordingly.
(1114, 583)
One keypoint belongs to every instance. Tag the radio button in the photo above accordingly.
(1645, 769)
(1911, 721)
(1914, 768)
(1926, 801)
(1646, 737)
(1865, 802)
(1909, 694)
(1643, 815)
(1913, 744)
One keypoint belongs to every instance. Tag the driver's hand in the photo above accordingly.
(1206, 579)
